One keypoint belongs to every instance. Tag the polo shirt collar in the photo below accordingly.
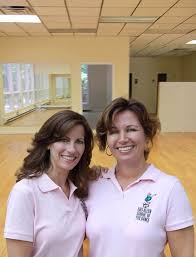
(46, 184)
(72, 188)
(151, 173)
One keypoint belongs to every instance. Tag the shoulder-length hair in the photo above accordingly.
(54, 129)
(151, 126)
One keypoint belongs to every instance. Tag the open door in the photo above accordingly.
(161, 77)
(60, 89)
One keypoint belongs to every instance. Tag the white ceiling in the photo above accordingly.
(175, 25)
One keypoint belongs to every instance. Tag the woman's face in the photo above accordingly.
(65, 154)
(126, 139)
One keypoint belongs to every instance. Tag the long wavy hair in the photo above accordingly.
(151, 126)
(54, 129)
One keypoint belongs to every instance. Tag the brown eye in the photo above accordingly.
(80, 141)
(131, 129)
(111, 132)
(64, 140)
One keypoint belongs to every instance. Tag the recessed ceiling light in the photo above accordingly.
(19, 18)
(192, 42)
(127, 19)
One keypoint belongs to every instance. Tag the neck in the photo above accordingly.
(60, 178)
(127, 173)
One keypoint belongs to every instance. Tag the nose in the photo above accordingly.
(71, 147)
(122, 137)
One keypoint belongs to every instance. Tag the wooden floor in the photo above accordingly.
(173, 152)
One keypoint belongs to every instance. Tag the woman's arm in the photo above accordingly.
(18, 248)
(181, 242)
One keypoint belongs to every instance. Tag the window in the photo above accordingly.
(85, 84)
(41, 87)
(18, 86)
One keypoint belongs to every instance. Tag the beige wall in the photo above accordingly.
(177, 106)
(146, 70)
(189, 67)
(73, 51)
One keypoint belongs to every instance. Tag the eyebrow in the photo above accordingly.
(128, 126)
(66, 137)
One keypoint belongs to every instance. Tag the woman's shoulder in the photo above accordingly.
(25, 185)
(163, 177)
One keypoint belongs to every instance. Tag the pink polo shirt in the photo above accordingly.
(38, 211)
(134, 222)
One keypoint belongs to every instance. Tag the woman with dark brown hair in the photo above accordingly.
(45, 215)
(135, 209)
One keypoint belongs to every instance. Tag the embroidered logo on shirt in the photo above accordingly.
(144, 212)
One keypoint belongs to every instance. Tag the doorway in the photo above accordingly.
(161, 77)
(96, 82)
(60, 89)
(130, 85)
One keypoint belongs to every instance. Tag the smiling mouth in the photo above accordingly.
(68, 158)
(125, 149)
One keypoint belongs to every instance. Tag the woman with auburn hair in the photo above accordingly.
(45, 217)
(135, 209)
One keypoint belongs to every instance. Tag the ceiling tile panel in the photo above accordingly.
(144, 39)
(191, 20)
(47, 2)
(57, 25)
(75, 19)
(53, 18)
(157, 3)
(165, 39)
(121, 3)
(150, 11)
(163, 26)
(186, 3)
(163, 35)
(84, 12)
(11, 28)
(62, 34)
(79, 25)
(134, 29)
(116, 11)
(188, 26)
(109, 29)
(13, 3)
(36, 32)
(168, 20)
(145, 52)
(193, 33)
(152, 32)
(132, 39)
(33, 27)
(17, 34)
(181, 12)
(50, 11)
(85, 34)
(83, 3)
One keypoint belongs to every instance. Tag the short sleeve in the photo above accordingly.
(20, 216)
(179, 212)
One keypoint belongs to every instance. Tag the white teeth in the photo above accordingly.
(69, 158)
(125, 148)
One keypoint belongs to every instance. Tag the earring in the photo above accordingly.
(108, 154)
